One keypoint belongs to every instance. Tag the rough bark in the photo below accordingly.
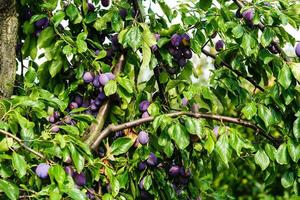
(8, 40)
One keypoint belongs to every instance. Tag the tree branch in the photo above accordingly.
(114, 128)
(261, 26)
(251, 80)
(21, 143)
(97, 126)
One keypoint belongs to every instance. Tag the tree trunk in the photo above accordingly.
(8, 40)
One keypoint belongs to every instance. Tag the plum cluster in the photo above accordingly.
(179, 48)
(179, 176)
(56, 120)
(143, 106)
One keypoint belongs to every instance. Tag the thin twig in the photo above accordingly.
(114, 128)
(21, 143)
(96, 127)
(251, 80)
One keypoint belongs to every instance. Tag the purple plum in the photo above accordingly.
(141, 184)
(152, 160)
(91, 7)
(184, 101)
(248, 15)
(105, 3)
(41, 23)
(143, 137)
(123, 13)
(182, 62)
(56, 115)
(88, 77)
(216, 131)
(297, 49)
(42, 170)
(273, 49)
(145, 114)
(110, 76)
(96, 81)
(175, 40)
(142, 166)
(101, 96)
(103, 79)
(144, 105)
(187, 53)
(79, 178)
(78, 100)
(174, 170)
(54, 129)
(73, 105)
(69, 170)
(219, 45)
(51, 119)
(185, 38)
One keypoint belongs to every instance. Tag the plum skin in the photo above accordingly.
(297, 49)
(143, 137)
(248, 15)
(144, 105)
(42, 170)
(152, 160)
(219, 45)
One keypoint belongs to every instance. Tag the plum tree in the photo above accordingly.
(114, 100)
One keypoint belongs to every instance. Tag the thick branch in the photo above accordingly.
(114, 128)
(262, 27)
(21, 143)
(97, 126)
(251, 80)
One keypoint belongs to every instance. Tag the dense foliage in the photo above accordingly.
(237, 135)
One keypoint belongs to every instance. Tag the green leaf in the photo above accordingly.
(58, 17)
(282, 154)
(81, 45)
(294, 150)
(295, 67)
(267, 37)
(146, 51)
(55, 67)
(238, 31)
(114, 183)
(285, 77)
(250, 110)
(101, 23)
(262, 159)
(58, 173)
(166, 9)
(134, 38)
(110, 88)
(73, 130)
(30, 75)
(223, 149)
(148, 36)
(296, 128)
(205, 4)
(209, 144)
(147, 182)
(249, 44)
(126, 84)
(10, 189)
(19, 164)
(179, 134)
(6, 144)
(77, 159)
(116, 22)
(121, 145)
(75, 194)
(266, 115)
(271, 151)
(46, 37)
(72, 12)
(287, 179)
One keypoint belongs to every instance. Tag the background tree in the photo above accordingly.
(86, 122)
